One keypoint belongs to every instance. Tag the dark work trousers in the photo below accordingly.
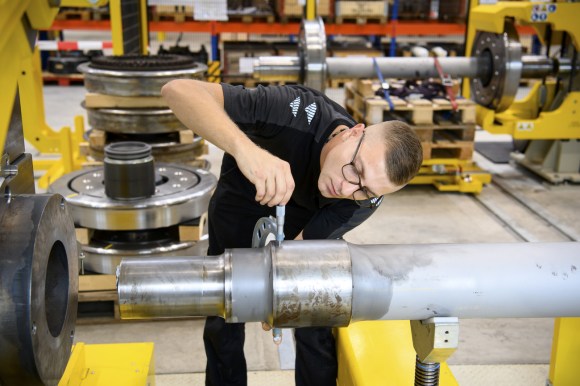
(232, 216)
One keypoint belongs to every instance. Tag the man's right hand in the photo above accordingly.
(270, 175)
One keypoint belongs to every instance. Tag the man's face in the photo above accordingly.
(369, 163)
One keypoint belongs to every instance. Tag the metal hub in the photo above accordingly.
(181, 194)
(498, 88)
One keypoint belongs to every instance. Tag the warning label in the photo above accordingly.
(540, 12)
(525, 126)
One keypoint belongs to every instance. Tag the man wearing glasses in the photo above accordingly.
(288, 145)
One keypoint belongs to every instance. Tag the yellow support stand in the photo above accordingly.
(452, 175)
(71, 156)
(128, 364)
(380, 353)
(565, 352)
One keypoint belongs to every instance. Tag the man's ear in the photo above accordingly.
(359, 128)
(356, 130)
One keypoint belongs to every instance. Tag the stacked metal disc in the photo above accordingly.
(137, 76)
(133, 206)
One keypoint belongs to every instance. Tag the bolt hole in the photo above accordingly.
(446, 341)
(447, 332)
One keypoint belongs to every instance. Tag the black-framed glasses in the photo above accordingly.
(363, 196)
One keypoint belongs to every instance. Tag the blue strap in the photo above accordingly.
(382, 80)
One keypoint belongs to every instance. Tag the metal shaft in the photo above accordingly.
(409, 68)
(333, 283)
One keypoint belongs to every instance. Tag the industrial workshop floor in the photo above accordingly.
(516, 207)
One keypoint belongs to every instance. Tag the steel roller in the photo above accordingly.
(334, 283)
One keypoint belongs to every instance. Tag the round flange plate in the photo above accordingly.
(504, 53)
(182, 194)
(312, 52)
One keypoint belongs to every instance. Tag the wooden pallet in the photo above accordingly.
(269, 18)
(62, 79)
(98, 299)
(360, 19)
(443, 133)
(177, 14)
(361, 95)
(98, 138)
(293, 10)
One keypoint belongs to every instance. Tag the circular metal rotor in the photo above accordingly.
(141, 81)
(38, 289)
(134, 121)
(106, 259)
(503, 51)
(181, 194)
(312, 52)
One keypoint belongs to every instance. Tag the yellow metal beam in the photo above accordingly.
(110, 364)
(144, 28)
(565, 352)
(83, 3)
(310, 9)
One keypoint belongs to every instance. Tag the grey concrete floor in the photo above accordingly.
(415, 215)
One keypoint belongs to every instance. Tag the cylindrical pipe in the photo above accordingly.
(129, 171)
(516, 280)
(320, 287)
(420, 68)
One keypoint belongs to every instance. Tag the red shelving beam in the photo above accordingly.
(215, 27)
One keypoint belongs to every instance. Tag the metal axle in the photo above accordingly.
(334, 283)
(407, 68)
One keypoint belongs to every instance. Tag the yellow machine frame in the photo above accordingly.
(522, 120)
(26, 74)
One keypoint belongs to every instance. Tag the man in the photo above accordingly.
(292, 146)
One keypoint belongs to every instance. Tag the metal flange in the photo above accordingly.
(181, 194)
(312, 52)
(503, 52)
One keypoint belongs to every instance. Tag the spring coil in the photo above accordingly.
(426, 374)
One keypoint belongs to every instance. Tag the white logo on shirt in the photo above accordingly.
(294, 105)
(310, 111)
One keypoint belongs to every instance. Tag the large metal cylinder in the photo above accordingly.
(129, 171)
(38, 289)
(333, 283)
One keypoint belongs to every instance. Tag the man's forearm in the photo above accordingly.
(200, 107)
